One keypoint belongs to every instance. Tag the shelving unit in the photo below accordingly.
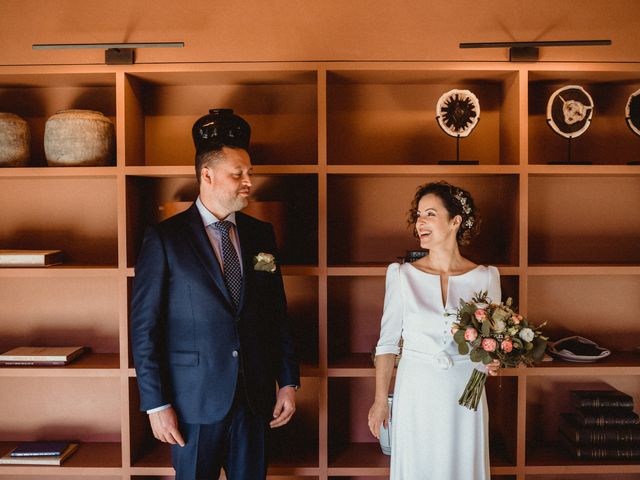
(342, 146)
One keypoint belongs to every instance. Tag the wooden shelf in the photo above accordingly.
(353, 365)
(59, 172)
(188, 172)
(368, 459)
(158, 462)
(293, 270)
(88, 365)
(359, 459)
(61, 271)
(584, 269)
(88, 459)
(552, 458)
(618, 363)
(583, 170)
(402, 170)
(306, 370)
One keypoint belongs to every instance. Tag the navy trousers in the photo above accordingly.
(236, 444)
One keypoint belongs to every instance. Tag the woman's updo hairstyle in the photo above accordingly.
(457, 202)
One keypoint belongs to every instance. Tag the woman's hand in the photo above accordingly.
(378, 415)
(493, 367)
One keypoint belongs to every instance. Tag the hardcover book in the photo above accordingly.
(618, 436)
(602, 417)
(40, 355)
(39, 460)
(601, 452)
(39, 449)
(30, 258)
(600, 398)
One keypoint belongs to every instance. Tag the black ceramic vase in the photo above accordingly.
(220, 128)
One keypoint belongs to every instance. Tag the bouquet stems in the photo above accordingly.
(473, 391)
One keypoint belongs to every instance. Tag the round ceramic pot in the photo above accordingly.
(15, 140)
(79, 138)
(220, 127)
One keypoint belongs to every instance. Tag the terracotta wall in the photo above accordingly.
(284, 30)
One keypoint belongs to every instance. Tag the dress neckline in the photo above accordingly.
(450, 276)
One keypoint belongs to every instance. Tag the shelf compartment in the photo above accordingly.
(55, 311)
(101, 460)
(607, 141)
(294, 447)
(77, 216)
(280, 106)
(597, 307)
(295, 195)
(303, 310)
(355, 305)
(351, 450)
(564, 209)
(367, 215)
(543, 445)
(36, 97)
(48, 409)
(353, 323)
(387, 117)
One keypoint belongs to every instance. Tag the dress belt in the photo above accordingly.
(441, 360)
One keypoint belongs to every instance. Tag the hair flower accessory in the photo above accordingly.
(463, 202)
(264, 262)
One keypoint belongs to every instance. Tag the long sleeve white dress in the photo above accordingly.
(432, 437)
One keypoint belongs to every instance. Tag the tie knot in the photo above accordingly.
(223, 225)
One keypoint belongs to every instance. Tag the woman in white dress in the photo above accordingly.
(432, 437)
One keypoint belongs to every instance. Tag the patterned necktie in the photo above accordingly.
(231, 263)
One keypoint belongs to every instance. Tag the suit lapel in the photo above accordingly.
(202, 246)
(246, 245)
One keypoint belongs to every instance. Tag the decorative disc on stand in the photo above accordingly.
(458, 113)
(632, 116)
(569, 113)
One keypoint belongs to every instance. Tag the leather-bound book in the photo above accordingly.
(600, 399)
(618, 436)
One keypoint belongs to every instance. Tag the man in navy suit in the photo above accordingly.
(210, 333)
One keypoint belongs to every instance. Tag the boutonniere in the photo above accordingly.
(264, 262)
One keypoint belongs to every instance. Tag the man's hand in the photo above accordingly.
(165, 426)
(285, 407)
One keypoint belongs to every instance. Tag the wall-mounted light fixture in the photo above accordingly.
(528, 51)
(114, 53)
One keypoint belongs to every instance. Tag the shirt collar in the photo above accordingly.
(209, 218)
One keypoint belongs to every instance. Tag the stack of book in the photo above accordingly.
(603, 426)
(39, 453)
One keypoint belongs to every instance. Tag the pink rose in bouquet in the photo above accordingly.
(506, 346)
(480, 315)
(489, 344)
(470, 334)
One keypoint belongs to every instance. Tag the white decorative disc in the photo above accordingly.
(569, 111)
(632, 112)
(458, 112)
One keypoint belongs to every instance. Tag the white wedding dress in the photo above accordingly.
(432, 437)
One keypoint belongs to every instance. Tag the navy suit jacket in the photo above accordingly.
(185, 329)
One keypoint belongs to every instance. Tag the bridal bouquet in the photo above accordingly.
(487, 331)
